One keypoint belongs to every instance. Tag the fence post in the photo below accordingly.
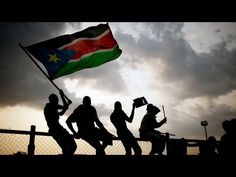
(167, 138)
(31, 145)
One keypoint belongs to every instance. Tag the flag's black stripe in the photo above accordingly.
(57, 42)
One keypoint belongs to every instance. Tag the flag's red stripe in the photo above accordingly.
(87, 46)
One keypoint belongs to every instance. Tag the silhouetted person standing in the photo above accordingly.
(85, 116)
(147, 130)
(119, 118)
(52, 112)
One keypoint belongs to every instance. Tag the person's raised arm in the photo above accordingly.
(65, 103)
(159, 124)
(131, 117)
(162, 122)
(65, 100)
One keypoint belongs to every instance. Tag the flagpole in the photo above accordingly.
(163, 111)
(23, 48)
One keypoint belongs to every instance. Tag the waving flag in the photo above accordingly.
(66, 54)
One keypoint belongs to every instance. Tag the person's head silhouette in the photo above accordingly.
(226, 125)
(53, 99)
(118, 105)
(87, 101)
(212, 141)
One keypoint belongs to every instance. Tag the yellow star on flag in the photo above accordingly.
(54, 58)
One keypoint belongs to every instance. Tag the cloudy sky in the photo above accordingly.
(190, 68)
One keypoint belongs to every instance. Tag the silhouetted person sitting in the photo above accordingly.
(52, 111)
(227, 144)
(85, 116)
(147, 130)
(119, 118)
(208, 148)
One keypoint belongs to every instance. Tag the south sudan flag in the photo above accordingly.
(66, 54)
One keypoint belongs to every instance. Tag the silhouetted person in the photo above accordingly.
(147, 130)
(208, 148)
(227, 144)
(52, 112)
(118, 118)
(85, 116)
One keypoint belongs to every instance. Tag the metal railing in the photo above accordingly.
(41, 143)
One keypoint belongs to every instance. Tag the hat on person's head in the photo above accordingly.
(149, 107)
(156, 110)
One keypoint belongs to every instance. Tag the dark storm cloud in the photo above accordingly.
(216, 116)
(186, 74)
(217, 30)
(195, 74)
(21, 81)
(190, 126)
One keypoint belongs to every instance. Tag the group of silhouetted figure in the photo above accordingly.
(225, 147)
(90, 129)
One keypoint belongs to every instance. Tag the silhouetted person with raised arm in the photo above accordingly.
(118, 118)
(52, 113)
(148, 132)
(85, 116)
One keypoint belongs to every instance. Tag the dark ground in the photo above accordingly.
(114, 165)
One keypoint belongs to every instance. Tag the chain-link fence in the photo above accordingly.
(19, 142)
